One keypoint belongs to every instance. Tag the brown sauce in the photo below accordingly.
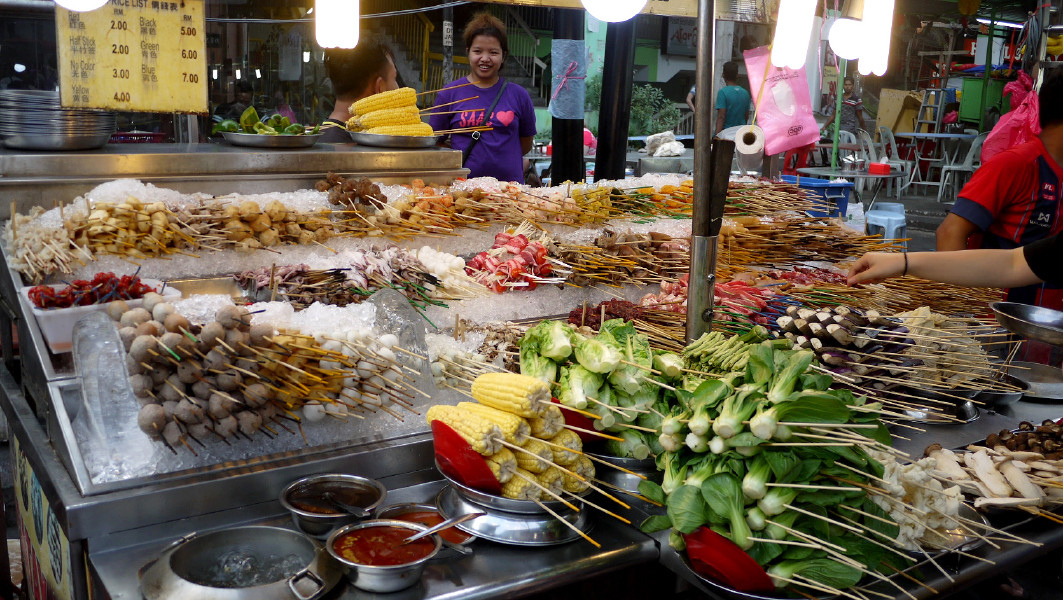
(310, 497)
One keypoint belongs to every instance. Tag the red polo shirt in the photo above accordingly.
(1014, 199)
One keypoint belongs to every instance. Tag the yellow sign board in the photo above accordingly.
(134, 55)
(671, 8)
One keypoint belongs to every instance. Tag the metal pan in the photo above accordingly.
(257, 140)
(393, 141)
(1032, 322)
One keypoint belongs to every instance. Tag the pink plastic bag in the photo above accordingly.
(784, 109)
(1018, 126)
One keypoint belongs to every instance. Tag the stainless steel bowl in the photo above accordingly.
(1003, 398)
(393, 141)
(257, 140)
(395, 511)
(269, 563)
(624, 480)
(517, 529)
(57, 141)
(373, 578)
(1033, 322)
(321, 524)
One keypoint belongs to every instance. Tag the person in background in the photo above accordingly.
(498, 151)
(732, 101)
(243, 98)
(1013, 199)
(590, 143)
(366, 69)
(852, 108)
(691, 96)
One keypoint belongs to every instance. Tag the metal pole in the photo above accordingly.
(842, 64)
(448, 43)
(618, 79)
(709, 175)
(567, 162)
(988, 67)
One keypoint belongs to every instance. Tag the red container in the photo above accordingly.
(878, 168)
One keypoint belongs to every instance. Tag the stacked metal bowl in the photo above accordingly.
(33, 120)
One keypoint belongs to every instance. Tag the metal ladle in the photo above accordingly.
(441, 526)
(350, 509)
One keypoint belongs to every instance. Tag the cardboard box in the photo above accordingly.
(897, 109)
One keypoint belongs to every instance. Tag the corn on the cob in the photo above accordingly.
(502, 464)
(548, 425)
(519, 394)
(403, 115)
(390, 99)
(483, 435)
(520, 488)
(531, 462)
(552, 479)
(419, 129)
(514, 428)
(568, 439)
(584, 468)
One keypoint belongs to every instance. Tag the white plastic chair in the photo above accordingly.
(867, 151)
(968, 166)
(893, 157)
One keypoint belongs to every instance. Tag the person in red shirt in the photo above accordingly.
(1014, 198)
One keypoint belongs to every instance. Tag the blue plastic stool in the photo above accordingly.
(893, 207)
(891, 225)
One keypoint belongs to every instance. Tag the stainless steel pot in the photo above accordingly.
(243, 563)
(373, 578)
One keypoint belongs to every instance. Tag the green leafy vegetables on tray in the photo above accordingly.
(273, 125)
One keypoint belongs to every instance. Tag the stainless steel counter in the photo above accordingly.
(494, 571)
(44, 178)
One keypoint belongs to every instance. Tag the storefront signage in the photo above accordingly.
(680, 36)
(45, 547)
(676, 8)
(134, 55)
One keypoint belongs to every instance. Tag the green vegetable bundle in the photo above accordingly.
(718, 353)
(739, 461)
(250, 123)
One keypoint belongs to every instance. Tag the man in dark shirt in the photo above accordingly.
(367, 69)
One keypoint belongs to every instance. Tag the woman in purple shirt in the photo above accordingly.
(499, 151)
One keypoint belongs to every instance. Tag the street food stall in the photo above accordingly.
(241, 321)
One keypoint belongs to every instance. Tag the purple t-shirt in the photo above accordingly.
(498, 152)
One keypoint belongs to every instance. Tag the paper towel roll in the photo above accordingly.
(749, 140)
(749, 148)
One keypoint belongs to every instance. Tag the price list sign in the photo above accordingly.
(134, 55)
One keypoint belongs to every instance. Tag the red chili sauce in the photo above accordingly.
(381, 546)
(430, 518)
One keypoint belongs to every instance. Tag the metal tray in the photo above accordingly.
(58, 141)
(393, 141)
(513, 528)
(257, 140)
(498, 503)
(1033, 322)
(1043, 382)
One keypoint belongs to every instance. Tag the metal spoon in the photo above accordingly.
(441, 527)
(350, 509)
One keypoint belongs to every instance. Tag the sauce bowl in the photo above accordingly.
(316, 515)
(383, 577)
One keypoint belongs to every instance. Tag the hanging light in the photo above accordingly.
(336, 23)
(878, 29)
(81, 5)
(613, 11)
(238, 73)
(306, 57)
(846, 38)
(214, 74)
(792, 32)
(258, 73)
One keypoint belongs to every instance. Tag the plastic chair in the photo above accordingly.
(969, 164)
(867, 151)
(892, 154)
(796, 158)
(891, 225)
